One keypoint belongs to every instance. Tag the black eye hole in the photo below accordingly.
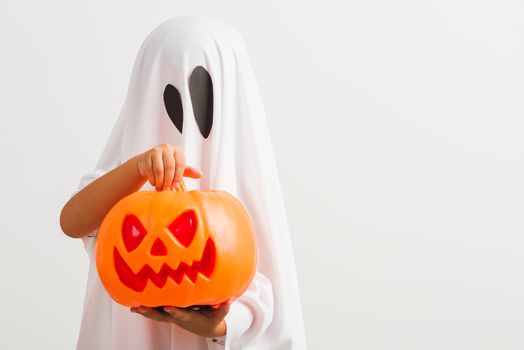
(173, 104)
(201, 91)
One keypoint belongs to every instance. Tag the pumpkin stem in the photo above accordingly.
(182, 187)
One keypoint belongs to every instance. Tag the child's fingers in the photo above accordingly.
(152, 313)
(179, 314)
(169, 169)
(148, 170)
(180, 164)
(158, 169)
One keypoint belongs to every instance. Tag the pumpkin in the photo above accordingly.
(176, 248)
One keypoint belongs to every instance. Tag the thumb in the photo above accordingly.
(223, 309)
(192, 172)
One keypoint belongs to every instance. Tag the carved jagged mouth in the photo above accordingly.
(138, 281)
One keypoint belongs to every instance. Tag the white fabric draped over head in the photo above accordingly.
(236, 156)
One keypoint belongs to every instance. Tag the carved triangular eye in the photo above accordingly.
(184, 228)
(133, 232)
(201, 91)
(173, 104)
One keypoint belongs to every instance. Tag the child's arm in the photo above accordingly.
(84, 212)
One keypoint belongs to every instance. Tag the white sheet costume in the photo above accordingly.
(225, 135)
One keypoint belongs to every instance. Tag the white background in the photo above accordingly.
(397, 127)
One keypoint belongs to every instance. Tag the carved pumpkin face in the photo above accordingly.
(176, 248)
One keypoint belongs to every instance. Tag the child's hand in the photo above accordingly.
(207, 323)
(164, 165)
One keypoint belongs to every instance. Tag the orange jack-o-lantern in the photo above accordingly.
(176, 248)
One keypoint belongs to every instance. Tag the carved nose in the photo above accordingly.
(158, 248)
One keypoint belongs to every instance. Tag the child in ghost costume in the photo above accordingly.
(192, 85)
